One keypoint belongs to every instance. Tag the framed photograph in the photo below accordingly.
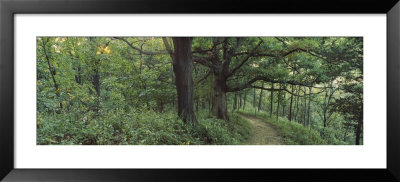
(133, 90)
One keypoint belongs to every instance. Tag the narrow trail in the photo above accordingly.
(263, 133)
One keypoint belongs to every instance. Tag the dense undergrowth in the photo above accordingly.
(144, 128)
(294, 133)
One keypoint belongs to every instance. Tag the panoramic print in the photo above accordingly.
(199, 91)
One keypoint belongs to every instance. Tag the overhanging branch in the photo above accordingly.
(266, 79)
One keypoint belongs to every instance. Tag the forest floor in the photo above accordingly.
(263, 133)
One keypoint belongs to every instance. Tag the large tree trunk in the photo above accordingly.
(219, 106)
(183, 65)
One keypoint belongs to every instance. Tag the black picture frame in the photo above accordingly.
(9, 8)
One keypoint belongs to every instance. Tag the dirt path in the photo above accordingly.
(263, 133)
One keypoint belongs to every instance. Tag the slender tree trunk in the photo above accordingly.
(297, 104)
(326, 105)
(305, 107)
(240, 101)
(254, 98)
(271, 101)
(358, 131)
(144, 86)
(345, 135)
(235, 102)
(244, 100)
(325, 109)
(96, 84)
(279, 100)
(260, 98)
(290, 105)
(210, 103)
(283, 104)
(78, 77)
(96, 79)
(309, 106)
(52, 72)
(183, 65)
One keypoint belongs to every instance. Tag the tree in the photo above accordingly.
(226, 57)
(183, 65)
(351, 106)
(51, 68)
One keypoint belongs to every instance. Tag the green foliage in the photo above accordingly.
(329, 135)
(108, 91)
(130, 128)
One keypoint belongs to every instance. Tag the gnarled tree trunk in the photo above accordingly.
(219, 106)
(182, 66)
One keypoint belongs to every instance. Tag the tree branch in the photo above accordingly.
(266, 79)
(269, 89)
(282, 41)
(285, 89)
(141, 51)
(244, 60)
(168, 47)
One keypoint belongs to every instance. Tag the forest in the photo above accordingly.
(199, 90)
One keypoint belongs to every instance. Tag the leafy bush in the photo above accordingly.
(118, 127)
(328, 134)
